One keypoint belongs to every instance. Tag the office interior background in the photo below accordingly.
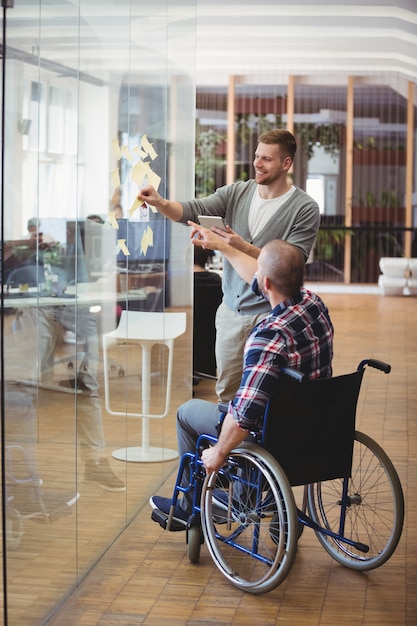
(97, 99)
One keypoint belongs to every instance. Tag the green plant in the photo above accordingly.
(52, 255)
(255, 124)
(325, 135)
(328, 241)
(206, 161)
(371, 143)
(389, 199)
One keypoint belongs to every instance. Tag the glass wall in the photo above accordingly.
(99, 100)
(360, 183)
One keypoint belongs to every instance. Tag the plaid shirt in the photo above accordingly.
(298, 333)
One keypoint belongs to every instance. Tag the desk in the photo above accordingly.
(15, 299)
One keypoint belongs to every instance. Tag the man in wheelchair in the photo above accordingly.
(298, 334)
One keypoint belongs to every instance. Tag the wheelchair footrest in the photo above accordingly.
(162, 519)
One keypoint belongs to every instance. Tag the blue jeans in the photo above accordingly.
(194, 418)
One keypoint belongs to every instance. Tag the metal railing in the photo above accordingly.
(367, 245)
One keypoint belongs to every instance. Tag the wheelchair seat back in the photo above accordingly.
(309, 427)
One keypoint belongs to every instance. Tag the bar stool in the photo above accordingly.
(145, 329)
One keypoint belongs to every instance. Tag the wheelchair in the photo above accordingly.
(352, 495)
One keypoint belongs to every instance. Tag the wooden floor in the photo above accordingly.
(146, 577)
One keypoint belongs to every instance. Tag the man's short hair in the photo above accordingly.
(202, 256)
(283, 138)
(34, 221)
(284, 265)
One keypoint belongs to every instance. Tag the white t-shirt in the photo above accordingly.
(262, 211)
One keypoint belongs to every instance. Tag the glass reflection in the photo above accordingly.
(67, 497)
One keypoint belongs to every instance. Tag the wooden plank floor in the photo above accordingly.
(146, 577)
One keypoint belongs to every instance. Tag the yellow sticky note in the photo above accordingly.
(115, 178)
(148, 147)
(112, 219)
(144, 244)
(136, 204)
(116, 148)
(149, 234)
(122, 246)
(139, 172)
(146, 167)
(147, 240)
(141, 153)
(126, 153)
(153, 179)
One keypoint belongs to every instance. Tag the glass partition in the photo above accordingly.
(379, 177)
(96, 300)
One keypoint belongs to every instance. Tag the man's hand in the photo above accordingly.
(207, 238)
(231, 435)
(243, 260)
(212, 459)
(170, 208)
(150, 195)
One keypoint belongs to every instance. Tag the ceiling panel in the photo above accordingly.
(256, 40)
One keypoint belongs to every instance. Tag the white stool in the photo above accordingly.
(145, 329)
(412, 281)
(393, 279)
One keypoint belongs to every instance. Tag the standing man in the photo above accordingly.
(256, 211)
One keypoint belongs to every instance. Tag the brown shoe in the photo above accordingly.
(102, 474)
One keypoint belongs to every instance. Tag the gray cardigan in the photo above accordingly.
(297, 221)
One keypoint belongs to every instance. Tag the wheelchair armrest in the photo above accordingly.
(223, 407)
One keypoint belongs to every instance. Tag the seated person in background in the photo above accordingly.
(95, 218)
(35, 232)
(297, 333)
(15, 253)
(24, 251)
(23, 483)
(207, 297)
(48, 324)
(201, 274)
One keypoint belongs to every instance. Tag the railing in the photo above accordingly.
(368, 245)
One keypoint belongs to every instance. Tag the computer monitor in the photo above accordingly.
(74, 259)
(99, 245)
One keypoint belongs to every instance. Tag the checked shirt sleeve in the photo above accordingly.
(260, 374)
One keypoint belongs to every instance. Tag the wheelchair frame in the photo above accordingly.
(246, 512)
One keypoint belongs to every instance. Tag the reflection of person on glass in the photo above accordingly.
(35, 232)
(255, 211)
(49, 324)
(297, 333)
(50, 321)
(117, 211)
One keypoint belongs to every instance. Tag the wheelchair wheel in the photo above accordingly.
(253, 540)
(375, 508)
(194, 541)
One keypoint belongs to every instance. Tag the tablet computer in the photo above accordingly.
(212, 220)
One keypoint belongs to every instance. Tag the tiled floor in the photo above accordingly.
(146, 577)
